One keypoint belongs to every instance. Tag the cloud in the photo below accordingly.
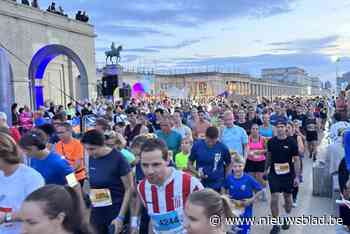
(142, 50)
(130, 58)
(316, 64)
(128, 31)
(155, 48)
(184, 13)
(183, 44)
(305, 45)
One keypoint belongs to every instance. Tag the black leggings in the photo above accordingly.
(101, 228)
(295, 192)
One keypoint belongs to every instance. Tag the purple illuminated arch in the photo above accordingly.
(38, 66)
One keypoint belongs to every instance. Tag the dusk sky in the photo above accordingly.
(238, 35)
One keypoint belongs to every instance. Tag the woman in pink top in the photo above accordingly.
(26, 119)
(256, 151)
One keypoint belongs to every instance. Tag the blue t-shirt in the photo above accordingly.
(346, 141)
(172, 140)
(266, 132)
(242, 188)
(234, 138)
(105, 173)
(53, 168)
(40, 121)
(212, 161)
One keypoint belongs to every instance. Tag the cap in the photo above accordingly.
(281, 121)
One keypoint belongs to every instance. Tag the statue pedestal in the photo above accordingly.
(110, 79)
(112, 70)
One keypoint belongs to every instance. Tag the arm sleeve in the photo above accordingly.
(255, 184)
(123, 165)
(244, 137)
(227, 156)
(193, 155)
(65, 169)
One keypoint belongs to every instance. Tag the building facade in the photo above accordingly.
(51, 56)
(294, 76)
(206, 84)
(343, 81)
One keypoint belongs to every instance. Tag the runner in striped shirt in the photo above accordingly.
(164, 190)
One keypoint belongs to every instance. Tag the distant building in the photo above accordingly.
(316, 86)
(295, 76)
(343, 81)
(327, 85)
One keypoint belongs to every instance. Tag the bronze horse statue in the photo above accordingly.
(113, 53)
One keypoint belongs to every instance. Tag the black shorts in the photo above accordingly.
(311, 136)
(253, 166)
(279, 184)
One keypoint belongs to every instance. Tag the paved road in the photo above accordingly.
(307, 205)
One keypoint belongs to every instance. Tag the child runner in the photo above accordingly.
(243, 190)
(181, 159)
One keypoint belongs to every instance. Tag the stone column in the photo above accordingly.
(6, 86)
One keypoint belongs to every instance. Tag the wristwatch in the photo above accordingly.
(8, 217)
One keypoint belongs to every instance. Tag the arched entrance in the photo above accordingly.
(37, 70)
(6, 87)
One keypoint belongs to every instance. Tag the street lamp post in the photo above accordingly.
(336, 74)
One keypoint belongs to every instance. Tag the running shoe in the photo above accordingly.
(275, 229)
(285, 225)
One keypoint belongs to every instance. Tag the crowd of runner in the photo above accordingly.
(161, 166)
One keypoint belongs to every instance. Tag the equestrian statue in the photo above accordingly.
(113, 53)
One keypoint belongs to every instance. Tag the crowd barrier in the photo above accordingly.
(325, 182)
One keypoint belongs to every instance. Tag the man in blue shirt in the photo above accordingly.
(233, 136)
(212, 160)
(50, 165)
(169, 136)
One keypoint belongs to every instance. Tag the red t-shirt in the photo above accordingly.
(15, 134)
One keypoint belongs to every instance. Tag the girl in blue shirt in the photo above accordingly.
(243, 190)
(266, 129)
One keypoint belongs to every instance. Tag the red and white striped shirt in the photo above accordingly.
(169, 197)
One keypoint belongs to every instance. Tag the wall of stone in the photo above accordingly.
(25, 30)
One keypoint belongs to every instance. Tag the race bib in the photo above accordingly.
(168, 223)
(238, 209)
(100, 197)
(71, 180)
(282, 168)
